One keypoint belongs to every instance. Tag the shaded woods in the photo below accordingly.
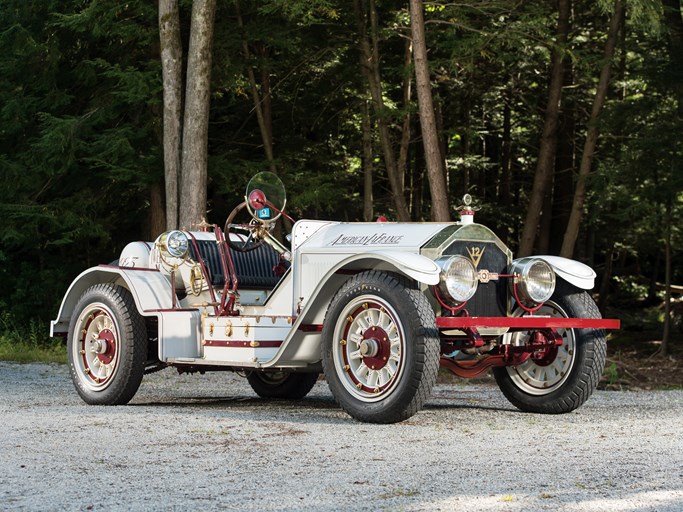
(563, 120)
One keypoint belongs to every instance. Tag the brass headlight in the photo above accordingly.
(457, 280)
(174, 243)
(535, 282)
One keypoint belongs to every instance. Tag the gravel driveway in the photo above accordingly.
(206, 442)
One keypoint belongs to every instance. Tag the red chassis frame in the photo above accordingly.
(542, 346)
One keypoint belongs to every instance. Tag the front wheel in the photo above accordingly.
(107, 345)
(564, 380)
(380, 349)
(284, 385)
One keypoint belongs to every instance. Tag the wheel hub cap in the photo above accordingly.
(546, 369)
(370, 348)
(97, 347)
(375, 348)
(104, 346)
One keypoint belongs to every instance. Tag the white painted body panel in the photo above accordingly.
(150, 289)
(354, 238)
(574, 272)
(244, 340)
(179, 335)
(331, 246)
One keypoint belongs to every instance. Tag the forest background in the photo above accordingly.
(538, 106)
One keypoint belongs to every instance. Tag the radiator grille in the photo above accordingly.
(491, 298)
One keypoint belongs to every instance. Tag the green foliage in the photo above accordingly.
(81, 107)
(611, 373)
(29, 344)
(302, 11)
(80, 143)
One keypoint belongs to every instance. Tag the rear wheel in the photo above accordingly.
(565, 378)
(286, 385)
(107, 345)
(380, 348)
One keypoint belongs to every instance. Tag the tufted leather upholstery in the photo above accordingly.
(254, 268)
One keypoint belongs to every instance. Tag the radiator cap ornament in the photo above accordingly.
(467, 210)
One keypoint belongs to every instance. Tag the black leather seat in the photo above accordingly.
(254, 268)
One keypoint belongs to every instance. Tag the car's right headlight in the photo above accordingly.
(535, 281)
(458, 279)
(174, 244)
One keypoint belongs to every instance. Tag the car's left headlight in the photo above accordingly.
(174, 244)
(458, 279)
(535, 281)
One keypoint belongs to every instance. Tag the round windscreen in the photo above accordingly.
(266, 196)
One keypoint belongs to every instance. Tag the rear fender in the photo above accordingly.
(151, 291)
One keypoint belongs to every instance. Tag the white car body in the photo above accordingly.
(272, 313)
(320, 249)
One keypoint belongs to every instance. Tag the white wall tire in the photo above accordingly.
(106, 346)
(563, 382)
(380, 348)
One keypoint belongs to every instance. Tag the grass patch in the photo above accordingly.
(30, 344)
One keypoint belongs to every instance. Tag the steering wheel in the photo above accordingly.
(252, 233)
(265, 201)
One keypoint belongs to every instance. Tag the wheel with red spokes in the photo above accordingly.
(557, 379)
(380, 348)
(107, 345)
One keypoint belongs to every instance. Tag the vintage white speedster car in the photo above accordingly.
(375, 307)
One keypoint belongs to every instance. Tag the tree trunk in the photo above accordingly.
(418, 175)
(465, 122)
(590, 144)
(196, 121)
(370, 67)
(667, 277)
(172, 78)
(565, 163)
(443, 143)
(674, 25)
(262, 104)
(545, 222)
(490, 178)
(267, 100)
(546, 153)
(430, 137)
(506, 159)
(606, 279)
(157, 221)
(367, 164)
(405, 131)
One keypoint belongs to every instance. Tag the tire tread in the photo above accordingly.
(421, 319)
(590, 370)
(131, 365)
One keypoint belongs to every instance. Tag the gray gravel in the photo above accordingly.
(205, 441)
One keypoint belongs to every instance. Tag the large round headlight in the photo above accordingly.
(174, 243)
(535, 280)
(458, 279)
